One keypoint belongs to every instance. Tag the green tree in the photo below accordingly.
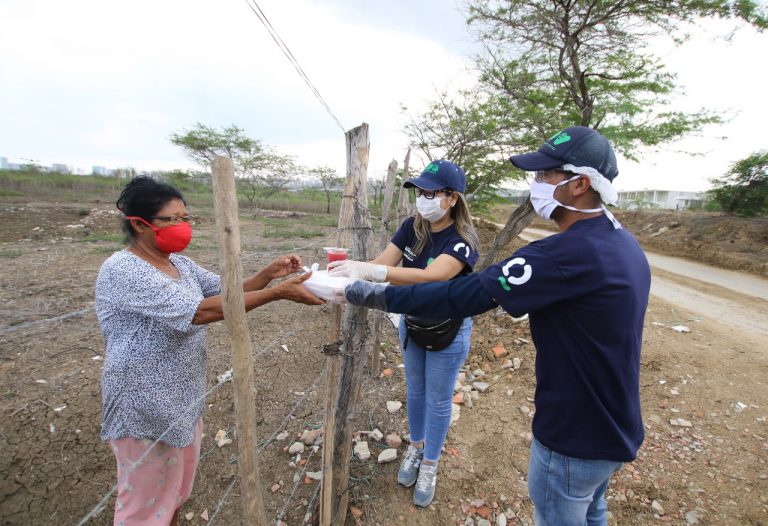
(202, 144)
(267, 174)
(329, 182)
(549, 64)
(743, 190)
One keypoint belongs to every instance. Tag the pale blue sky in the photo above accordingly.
(88, 82)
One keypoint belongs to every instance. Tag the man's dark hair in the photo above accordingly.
(144, 197)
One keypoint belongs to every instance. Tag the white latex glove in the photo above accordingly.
(357, 269)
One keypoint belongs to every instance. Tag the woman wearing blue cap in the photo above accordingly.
(438, 244)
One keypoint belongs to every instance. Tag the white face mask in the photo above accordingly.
(544, 202)
(430, 208)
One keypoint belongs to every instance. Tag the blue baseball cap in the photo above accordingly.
(439, 175)
(577, 145)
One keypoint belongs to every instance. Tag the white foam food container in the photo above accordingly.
(326, 287)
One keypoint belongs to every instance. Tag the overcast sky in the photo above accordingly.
(88, 82)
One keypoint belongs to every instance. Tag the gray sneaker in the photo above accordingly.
(409, 469)
(425, 485)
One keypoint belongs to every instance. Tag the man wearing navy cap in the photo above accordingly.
(586, 291)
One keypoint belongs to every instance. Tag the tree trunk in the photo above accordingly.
(520, 218)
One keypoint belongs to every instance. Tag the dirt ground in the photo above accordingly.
(54, 469)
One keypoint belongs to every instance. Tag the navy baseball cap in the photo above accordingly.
(577, 145)
(439, 175)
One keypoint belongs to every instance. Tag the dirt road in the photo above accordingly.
(732, 298)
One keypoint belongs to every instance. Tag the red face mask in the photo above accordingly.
(169, 239)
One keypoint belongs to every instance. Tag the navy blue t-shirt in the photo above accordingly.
(586, 292)
(446, 241)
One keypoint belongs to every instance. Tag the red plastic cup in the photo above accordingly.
(336, 253)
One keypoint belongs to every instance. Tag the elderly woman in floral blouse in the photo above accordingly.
(153, 305)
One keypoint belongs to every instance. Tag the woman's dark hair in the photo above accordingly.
(144, 197)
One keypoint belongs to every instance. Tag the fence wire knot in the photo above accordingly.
(332, 349)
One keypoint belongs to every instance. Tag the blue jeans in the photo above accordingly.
(568, 491)
(429, 380)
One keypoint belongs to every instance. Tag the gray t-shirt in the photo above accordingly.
(155, 366)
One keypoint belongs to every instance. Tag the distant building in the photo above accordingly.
(513, 195)
(3, 163)
(102, 170)
(667, 199)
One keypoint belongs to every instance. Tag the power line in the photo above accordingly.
(289, 55)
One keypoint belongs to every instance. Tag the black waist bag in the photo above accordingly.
(432, 335)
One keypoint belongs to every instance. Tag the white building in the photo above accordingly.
(667, 199)
(60, 168)
(102, 170)
(3, 163)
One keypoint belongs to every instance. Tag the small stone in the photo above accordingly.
(189, 516)
(361, 451)
(282, 436)
(680, 422)
(315, 475)
(510, 392)
(469, 399)
(309, 436)
(657, 507)
(525, 410)
(275, 487)
(458, 398)
(296, 447)
(357, 512)
(204, 515)
(499, 351)
(221, 438)
(483, 522)
(692, 517)
(455, 413)
(394, 406)
(481, 386)
(393, 440)
(388, 455)
(507, 364)
(501, 520)
(479, 373)
(387, 373)
(516, 363)
(376, 435)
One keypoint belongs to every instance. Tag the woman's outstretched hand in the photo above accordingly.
(283, 266)
(293, 290)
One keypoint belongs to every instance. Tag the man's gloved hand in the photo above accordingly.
(357, 269)
(366, 294)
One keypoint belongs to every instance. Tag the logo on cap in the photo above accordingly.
(432, 168)
(560, 138)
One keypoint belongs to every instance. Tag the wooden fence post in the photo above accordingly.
(386, 215)
(227, 226)
(345, 384)
(404, 208)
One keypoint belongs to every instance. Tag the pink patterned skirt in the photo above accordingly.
(148, 493)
